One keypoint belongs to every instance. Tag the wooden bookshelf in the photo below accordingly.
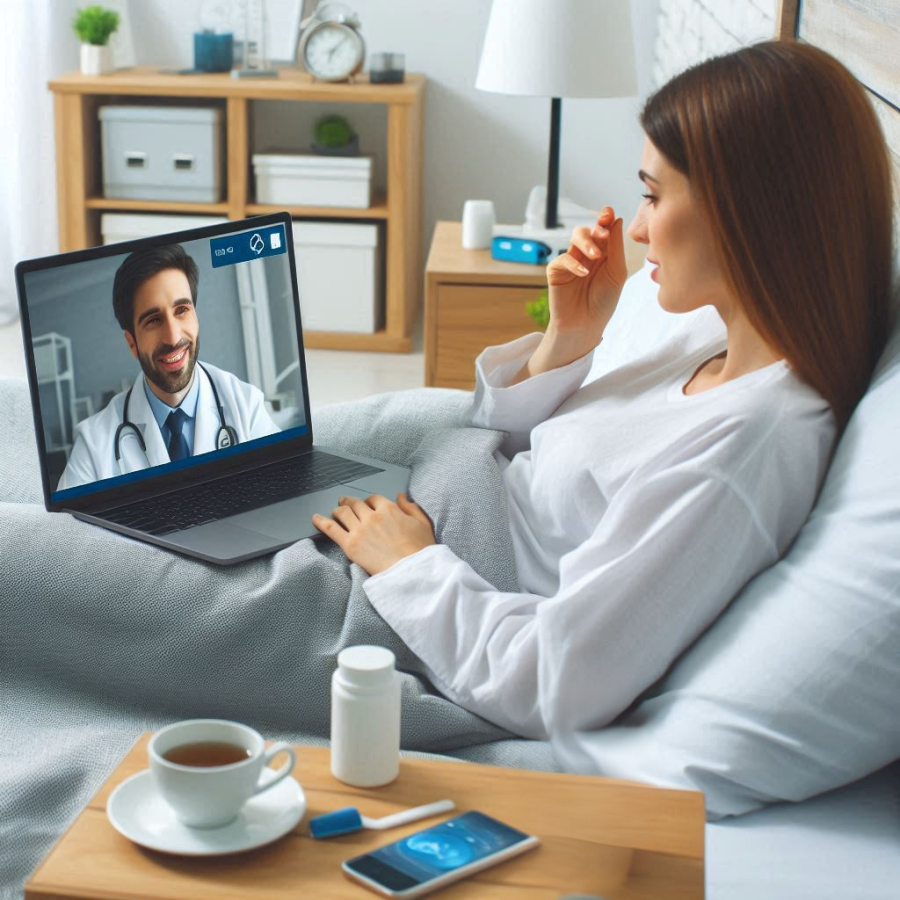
(79, 178)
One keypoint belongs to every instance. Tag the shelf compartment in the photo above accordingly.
(167, 206)
(378, 210)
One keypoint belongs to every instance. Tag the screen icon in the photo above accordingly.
(257, 244)
(275, 240)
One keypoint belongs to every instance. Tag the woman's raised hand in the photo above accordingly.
(585, 283)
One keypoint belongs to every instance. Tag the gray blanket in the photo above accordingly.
(103, 637)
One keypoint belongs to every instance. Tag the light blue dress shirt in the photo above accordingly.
(188, 407)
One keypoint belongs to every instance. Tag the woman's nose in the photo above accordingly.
(637, 230)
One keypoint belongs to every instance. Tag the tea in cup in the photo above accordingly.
(207, 769)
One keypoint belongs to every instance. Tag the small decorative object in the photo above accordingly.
(386, 68)
(330, 47)
(94, 25)
(213, 52)
(477, 224)
(254, 59)
(334, 136)
(539, 310)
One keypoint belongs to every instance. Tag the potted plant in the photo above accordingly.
(94, 25)
(539, 310)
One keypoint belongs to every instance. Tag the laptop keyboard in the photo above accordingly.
(225, 497)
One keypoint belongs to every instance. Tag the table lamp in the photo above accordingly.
(563, 48)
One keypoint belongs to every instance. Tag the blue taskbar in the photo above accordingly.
(142, 474)
(246, 246)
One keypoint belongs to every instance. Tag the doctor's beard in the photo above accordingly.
(171, 382)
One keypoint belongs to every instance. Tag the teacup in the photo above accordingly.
(205, 795)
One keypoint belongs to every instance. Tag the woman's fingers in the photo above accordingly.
(330, 528)
(565, 268)
(411, 508)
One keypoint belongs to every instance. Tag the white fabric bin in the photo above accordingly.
(116, 227)
(339, 276)
(162, 152)
(308, 180)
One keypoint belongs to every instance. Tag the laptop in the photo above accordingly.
(169, 391)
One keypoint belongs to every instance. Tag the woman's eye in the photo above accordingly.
(650, 197)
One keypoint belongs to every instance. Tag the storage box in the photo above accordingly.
(116, 227)
(339, 276)
(288, 179)
(162, 153)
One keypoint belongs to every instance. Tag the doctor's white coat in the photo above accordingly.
(93, 455)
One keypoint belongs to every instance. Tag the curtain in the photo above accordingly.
(36, 44)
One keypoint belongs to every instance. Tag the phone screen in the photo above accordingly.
(437, 851)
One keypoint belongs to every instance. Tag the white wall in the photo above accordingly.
(692, 30)
(476, 144)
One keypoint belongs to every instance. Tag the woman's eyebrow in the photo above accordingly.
(645, 177)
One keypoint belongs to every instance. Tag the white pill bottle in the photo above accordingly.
(365, 717)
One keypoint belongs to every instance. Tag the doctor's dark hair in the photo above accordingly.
(142, 265)
(786, 158)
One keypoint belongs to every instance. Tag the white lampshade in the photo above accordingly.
(559, 48)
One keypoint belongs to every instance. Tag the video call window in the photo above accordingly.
(200, 339)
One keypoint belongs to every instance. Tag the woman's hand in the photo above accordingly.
(585, 285)
(375, 533)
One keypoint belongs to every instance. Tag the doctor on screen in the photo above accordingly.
(177, 407)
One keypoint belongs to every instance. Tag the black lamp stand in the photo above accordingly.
(552, 216)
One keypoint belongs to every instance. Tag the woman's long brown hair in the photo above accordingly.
(786, 157)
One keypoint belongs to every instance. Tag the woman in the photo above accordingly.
(642, 502)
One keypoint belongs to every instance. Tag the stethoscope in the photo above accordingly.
(226, 436)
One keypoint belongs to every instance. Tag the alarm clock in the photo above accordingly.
(330, 46)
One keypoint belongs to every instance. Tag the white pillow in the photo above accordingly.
(795, 690)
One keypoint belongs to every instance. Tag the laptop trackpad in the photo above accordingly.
(290, 520)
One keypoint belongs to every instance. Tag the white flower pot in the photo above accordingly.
(96, 59)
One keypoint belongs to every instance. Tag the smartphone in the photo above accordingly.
(437, 856)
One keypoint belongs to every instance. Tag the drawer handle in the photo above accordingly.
(184, 162)
(134, 159)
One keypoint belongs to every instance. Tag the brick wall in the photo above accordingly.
(693, 30)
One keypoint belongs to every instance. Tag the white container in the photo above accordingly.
(96, 59)
(287, 179)
(365, 717)
(162, 152)
(338, 276)
(116, 227)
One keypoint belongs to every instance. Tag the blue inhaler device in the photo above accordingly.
(519, 249)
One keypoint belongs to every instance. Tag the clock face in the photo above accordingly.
(333, 51)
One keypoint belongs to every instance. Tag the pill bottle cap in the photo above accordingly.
(366, 666)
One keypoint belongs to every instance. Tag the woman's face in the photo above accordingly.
(679, 240)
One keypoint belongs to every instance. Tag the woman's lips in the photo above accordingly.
(173, 361)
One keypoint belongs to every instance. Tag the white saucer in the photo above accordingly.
(140, 814)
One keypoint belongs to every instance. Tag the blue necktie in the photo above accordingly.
(178, 448)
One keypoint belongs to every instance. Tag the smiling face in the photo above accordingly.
(678, 238)
(166, 337)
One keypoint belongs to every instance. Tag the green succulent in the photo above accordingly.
(95, 25)
(333, 132)
(539, 310)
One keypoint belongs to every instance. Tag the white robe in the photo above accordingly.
(637, 513)
(93, 454)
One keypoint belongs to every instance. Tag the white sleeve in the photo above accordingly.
(261, 423)
(668, 556)
(517, 409)
(79, 467)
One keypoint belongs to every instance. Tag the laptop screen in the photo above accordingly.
(158, 355)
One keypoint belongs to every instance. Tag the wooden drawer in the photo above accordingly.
(470, 317)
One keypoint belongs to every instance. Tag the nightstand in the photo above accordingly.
(471, 302)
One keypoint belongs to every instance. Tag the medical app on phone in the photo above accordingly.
(428, 855)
